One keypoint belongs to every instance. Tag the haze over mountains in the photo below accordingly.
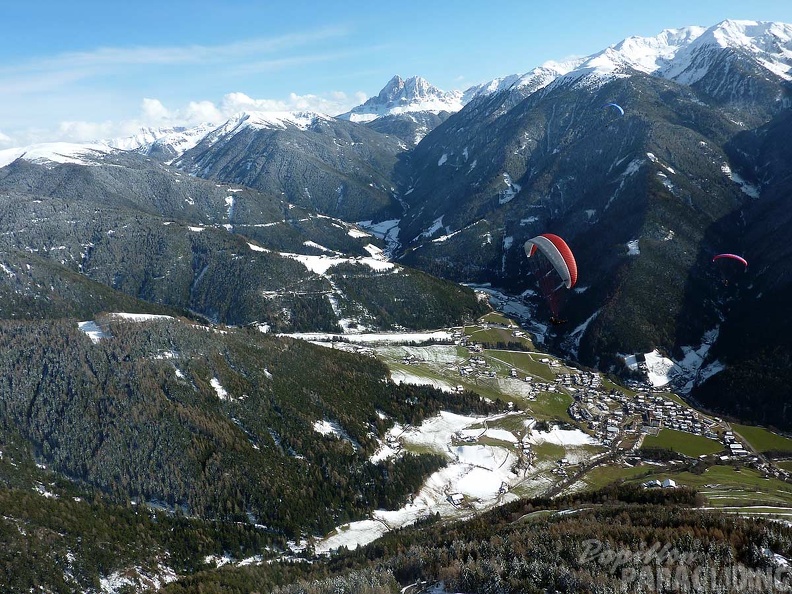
(461, 179)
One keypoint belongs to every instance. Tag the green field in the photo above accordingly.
(550, 406)
(675, 397)
(727, 486)
(549, 451)
(683, 442)
(527, 363)
(602, 476)
(496, 335)
(494, 317)
(763, 440)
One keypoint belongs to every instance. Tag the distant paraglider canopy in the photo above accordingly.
(734, 257)
(615, 106)
(554, 266)
(731, 266)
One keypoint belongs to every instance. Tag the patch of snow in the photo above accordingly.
(326, 427)
(357, 233)
(562, 437)
(400, 376)
(660, 370)
(58, 153)
(375, 252)
(632, 248)
(137, 317)
(441, 161)
(710, 370)
(387, 230)
(221, 392)
(382, 337)
(256, 248)
(512, 189)
(746, 187)
(434, 228)
(321, 264)
(92, 330)
(572, 342)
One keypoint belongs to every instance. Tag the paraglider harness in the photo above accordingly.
(557, 321)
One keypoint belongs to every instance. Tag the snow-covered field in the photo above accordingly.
(563, 437)
(395, 337)
(403, 377)
(479, 474)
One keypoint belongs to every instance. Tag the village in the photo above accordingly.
(619, 419)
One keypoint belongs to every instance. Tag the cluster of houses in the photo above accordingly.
(735, 447)
(664, 484)
(609, 413)
(476, 367)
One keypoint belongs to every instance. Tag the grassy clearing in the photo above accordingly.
(551, 405)
(725, 486)
(525, 363)
(675, 397)
(763, 440)
(495, 335)
(602, 476)
(683, 442)
(498, 318)
(514, 423)
(549, 451)
(609, 385)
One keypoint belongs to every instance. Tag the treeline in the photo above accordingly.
(525, 547)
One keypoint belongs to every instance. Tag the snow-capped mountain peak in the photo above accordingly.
(403, 96)
(264, 120)
(770, 44)
(50, 153)
(685, 55)
(164, 141)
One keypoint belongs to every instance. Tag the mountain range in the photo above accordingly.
(149, 400)
(693, 166)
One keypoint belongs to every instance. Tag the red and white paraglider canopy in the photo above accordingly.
(558, 253)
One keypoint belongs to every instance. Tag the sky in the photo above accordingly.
(85, 70)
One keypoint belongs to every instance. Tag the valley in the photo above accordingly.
(440, 342)
(569, 430)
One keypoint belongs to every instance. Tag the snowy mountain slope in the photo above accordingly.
(335, 167)
(57, 152)
(165, 144)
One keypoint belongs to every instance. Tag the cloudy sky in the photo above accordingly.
(91, 69)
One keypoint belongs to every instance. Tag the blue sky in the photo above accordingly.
(86, 69)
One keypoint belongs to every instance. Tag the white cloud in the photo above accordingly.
(154, 113)
(154, 110)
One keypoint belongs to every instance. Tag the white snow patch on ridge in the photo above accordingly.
(138, 317)
(321, 264)
(57, 152)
